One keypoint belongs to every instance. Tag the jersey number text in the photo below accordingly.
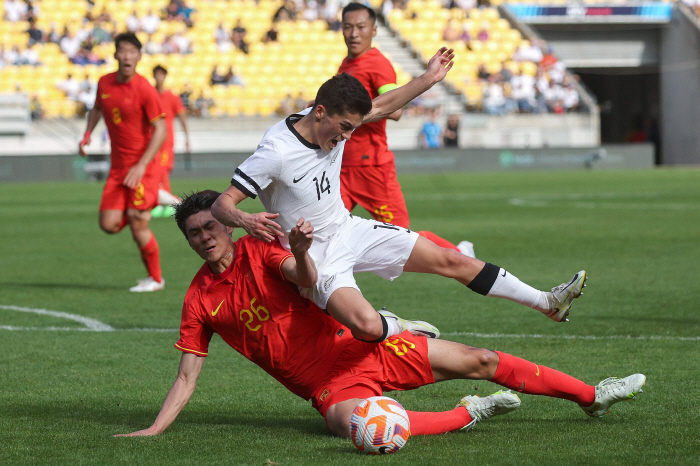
(260, 312)
(323, 186)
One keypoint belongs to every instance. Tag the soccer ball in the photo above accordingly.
(379, 426)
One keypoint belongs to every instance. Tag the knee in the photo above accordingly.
(368, 326)
(110, 227)
(450, 261)
(337, 423)
(483, 365)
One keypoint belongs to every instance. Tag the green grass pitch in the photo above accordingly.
(64, 393)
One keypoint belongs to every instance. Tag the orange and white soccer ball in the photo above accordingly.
(379, 426)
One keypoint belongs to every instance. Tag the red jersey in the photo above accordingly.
(172, 106)
(368, 143)
(128, 110)
(262, 316)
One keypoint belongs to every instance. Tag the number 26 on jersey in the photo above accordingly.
(254, 316)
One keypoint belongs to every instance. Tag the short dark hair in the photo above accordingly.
(129, 37)
(192, 204)
(354, 6)
(344, 94)
(160, 68)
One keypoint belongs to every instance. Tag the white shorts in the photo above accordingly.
(360, 245)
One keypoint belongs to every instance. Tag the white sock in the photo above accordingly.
(393, 327)
(510, 287)
(165, 198)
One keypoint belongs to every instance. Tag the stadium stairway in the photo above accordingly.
(400, 54)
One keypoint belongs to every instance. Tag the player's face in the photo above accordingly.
(208, 237)
(128, 55)
(358, 31)
(335, 128)
(159, 76)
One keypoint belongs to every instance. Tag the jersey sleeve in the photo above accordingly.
(274, 256)
(258, 170)
(384, 77)
(194, 335)
(152, 106)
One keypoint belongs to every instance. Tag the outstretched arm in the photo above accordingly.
(93, 118)
(258, 225)
(389, 102)
(301, 270)
(178, 396)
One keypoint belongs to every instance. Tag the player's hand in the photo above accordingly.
(261, 226)
(134, 175)
(301, 237)
(440, 64)
(87, 138)
(139, 433)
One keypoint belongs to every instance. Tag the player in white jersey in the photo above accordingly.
(296, 172)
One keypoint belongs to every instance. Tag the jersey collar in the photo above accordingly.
(291, 119)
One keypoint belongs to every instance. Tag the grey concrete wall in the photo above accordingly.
(680, 89)
(222, 165)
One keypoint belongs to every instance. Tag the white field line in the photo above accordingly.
(92, 325)
(606, 205)
(531, 197)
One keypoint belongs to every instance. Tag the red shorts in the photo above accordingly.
(166, 157)
(369, 369)
(116, 196)
(376, 189)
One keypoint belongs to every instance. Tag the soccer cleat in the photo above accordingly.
(147, 285)
(480, 409)
(416, 327)
(168, 211)
(466, 248)
(611, 390)
(157, 211)
(562, 296)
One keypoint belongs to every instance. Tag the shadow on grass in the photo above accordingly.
(125, 419)
(67, 286)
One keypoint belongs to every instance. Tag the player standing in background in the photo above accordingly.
(172, 106)
(368, 175)
(134, 118)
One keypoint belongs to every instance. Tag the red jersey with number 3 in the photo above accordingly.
(128, 110)
(262, 316)
(172, 106)
(368, 146)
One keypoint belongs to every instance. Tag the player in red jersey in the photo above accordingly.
(247, 293)
(134, 118)
(172, 106)
(368, 176)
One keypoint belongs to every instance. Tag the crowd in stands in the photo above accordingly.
(694, 5)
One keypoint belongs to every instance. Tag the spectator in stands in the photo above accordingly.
(233, 79)
(169, 46)
(217, 78)
(300, 102)
(483, 35)
(557, 72)
(132, 22)
(15, 11)
(451, 33)
(70, 87)
(29, 56)
(222, 38)
(70, 44)
(149, 23)
(310, 12)
(331, 14)
(287, 106)
(495, 102)
(185, 97)
(86, 56)
(88, 92)
(11, 56)
(506, 73)
(239, 43)
(570, 98)
(286, 12)
(239, 30)
(483, 74)
(554, 96)
(271, 35)
(152, 47)
(100, 34)
(431, 132)
(3, 52)
(184, 45)
(177, 10)
(523, 92)
(36, 109)
(203, 105)
(450, 137)
(53, 36)
(528, 52)
(36, 36)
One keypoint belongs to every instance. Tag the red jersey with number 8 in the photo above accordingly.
(262, 316)
(129, 109)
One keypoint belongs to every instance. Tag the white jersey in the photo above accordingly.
(295, 179)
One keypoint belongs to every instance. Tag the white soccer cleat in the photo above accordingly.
(611, 390)
(147, 285)
(167, 199)
(563, 295)
(416, 327)
(467, 248)
(480, 409)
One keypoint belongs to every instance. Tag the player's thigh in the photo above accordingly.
(451, 360)
(427, 257)
(338, 416)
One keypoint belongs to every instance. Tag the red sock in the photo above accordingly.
(438, 423)
(527, 377)
(123, 223)
(442, 242)
(151, 258)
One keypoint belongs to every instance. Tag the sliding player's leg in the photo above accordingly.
(490, 280)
